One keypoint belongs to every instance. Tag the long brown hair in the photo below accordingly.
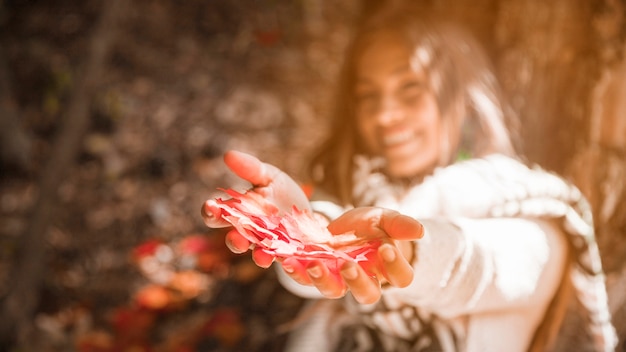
(459, 74)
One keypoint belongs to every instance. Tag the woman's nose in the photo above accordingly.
(389, 113)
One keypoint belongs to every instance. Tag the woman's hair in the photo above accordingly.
(460, 76)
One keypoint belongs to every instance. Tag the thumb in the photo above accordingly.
(250, 168)
(377, 222)
(400, 227)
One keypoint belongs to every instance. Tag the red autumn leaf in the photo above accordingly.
(194, 244)
(154, 297)
(190, 283)
(207, 253)
(145, 249)
(213, 262)
(296, 234)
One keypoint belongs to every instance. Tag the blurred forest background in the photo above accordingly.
(114, 116)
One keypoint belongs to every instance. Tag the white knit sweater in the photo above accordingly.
(495, 287)
(488, 265)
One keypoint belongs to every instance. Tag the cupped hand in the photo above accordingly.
(392, 262)
(269, 182)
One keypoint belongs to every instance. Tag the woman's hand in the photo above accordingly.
(391, 262)
(269, 182)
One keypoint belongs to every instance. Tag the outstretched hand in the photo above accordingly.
(269, 182)
(392, 262)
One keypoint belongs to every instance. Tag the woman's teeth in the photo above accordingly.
(397, 138)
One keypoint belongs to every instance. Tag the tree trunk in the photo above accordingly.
(15, 141)
(30, 262)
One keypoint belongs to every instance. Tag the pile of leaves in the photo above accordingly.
(192, 296)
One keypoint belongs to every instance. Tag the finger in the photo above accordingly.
(296, 270)
(262, 258)
(377, 222)
(365, 290)
(401, 227)
(211, 216)
(250, 168)
(329, 285)
(395, 267)
(364, 221)
(236, 242)
(268, 181)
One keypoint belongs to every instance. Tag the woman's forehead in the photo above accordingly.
(386, 53)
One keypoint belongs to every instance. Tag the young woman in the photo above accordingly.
(482, 252)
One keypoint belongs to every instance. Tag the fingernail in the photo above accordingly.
(208, 216)
(387, 253)
(314, 271)
(288, 269)
(232, 247)
(349, 272)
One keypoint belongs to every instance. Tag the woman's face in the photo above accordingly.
(396, 111)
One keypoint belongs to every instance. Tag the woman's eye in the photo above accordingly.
(412, 89)
(412, 96)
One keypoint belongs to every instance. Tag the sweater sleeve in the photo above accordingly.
(478, 265)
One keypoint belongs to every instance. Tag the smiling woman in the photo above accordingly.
(420, 94)
(396, 111)
(420, 140)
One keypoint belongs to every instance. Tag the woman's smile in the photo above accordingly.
(395, 138)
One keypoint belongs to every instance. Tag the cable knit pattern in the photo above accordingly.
(480, 273)
(498, 186)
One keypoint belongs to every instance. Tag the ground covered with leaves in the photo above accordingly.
(130, 265)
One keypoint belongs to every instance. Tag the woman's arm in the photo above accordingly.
(474, 265)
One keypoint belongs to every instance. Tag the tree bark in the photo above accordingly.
(548, 64)
(21, 301)
(15, 141)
